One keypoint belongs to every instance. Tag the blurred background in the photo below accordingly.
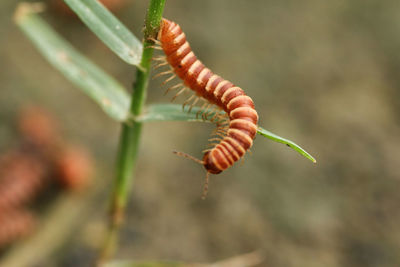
(324, 74)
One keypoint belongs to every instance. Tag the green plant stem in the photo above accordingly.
(130, 135)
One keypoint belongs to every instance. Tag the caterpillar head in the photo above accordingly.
(209, 164)
(164, 28)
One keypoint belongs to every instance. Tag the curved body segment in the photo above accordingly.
(243, 117)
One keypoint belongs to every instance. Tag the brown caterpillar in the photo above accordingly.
(238, 128)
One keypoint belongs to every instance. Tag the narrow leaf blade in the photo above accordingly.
(170, 112)
(97, 84)
(109, 29)
(287, 142)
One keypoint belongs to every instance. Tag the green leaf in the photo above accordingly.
(170, 112)
(109, 29)
(97, 84)
(287, 142)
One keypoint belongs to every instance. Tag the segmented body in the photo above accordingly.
(243, 117)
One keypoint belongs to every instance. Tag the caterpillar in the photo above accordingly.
(237, 128)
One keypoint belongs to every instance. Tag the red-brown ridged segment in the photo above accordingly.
(240, 107)
(231, 150)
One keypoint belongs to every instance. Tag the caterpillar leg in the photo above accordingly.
(155, 47)
(223, 120)
(157, 42)
(187, 101)
(162, 73)
(201, 109)
(217, 135)
(159, 65)
(193, 104)
(174, 87)
(220, 131)
(214, 142)
(217, 114)
(205, 188)
(194, 99)
(169, 79)
(211, 145)
(204, 113)
(179, 93)
(217, 139)
(159, 58)
(214, 110)
(163, 62)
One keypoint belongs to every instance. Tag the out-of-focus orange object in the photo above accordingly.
(42, 158)
(38, 127)
(15, 224)
(21, 177)
(74, 168)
